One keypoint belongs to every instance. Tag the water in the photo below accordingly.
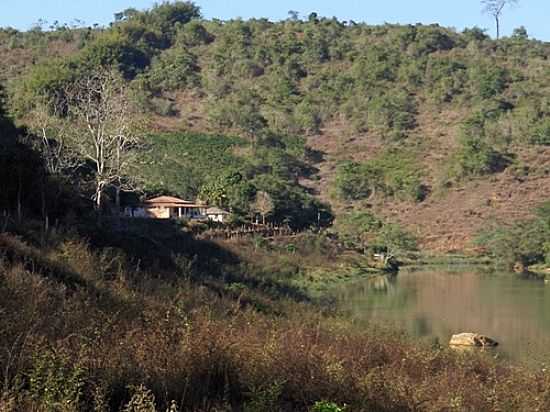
(434, 303)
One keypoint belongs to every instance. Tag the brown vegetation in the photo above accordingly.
(86, 330)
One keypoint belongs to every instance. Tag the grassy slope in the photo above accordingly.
(90, 328)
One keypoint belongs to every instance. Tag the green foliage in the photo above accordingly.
(541, 133)
(445, 77)
(181, 163)
(193, 34)
(475, 156)
(240, 110)
(358, 229)
(488, 80)
(114, 50)
(525, 242)
(364, 231)
(393, 173)
(45, 81)
(264, 399)
(298, 76)
(394, 240)
(431, 39)
(228, 172)
(325, 406)
(392, 114)
(57, 383)
(164, 18)
(175, 69)
(475, 34)
(355, 182)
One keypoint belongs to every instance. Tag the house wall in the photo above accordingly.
(158, 212)
(161, 212)
(216, 218)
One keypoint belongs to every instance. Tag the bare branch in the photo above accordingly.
(495, 8)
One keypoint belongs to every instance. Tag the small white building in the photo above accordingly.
(168, 207)
(216, 214)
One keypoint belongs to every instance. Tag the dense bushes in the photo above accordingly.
(526, 242)
(476, 156)
(300, 75)
(363, 231)
(174, 69)
(394, 173)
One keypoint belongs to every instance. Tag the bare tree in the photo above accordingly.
(263, 204)
(50, 132)
(48, 135)
(495, 9)
(99, 108)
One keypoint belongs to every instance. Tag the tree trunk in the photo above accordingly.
(44, 210)
(498, 27)
(117, 200)
(98, 197)
(19, 195)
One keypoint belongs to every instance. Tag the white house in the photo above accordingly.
(168, 207)
(216, 214)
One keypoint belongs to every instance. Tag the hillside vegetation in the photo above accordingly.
(420, 111)
(362, 139)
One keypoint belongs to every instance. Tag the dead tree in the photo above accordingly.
(495, 8)
(263, 204)
(99, 108)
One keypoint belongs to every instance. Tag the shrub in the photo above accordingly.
(355, 181)
(524, 242)
(445, 78)
(393, 173)
(541, 133)
(174, 69)
(475, 156)
(324, 406)
(56, 382)
(393, 114)
(487, 80)
(143, 400)
(357, 229)
(113, 50)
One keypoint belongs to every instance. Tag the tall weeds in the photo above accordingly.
(122, 339)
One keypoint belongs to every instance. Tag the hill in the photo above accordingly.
(467, 115)
(362, 139)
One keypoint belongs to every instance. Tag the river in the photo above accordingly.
(434, 303)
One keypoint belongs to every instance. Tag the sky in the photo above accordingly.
(533, 14)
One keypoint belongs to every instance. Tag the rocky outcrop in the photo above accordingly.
(472, 339)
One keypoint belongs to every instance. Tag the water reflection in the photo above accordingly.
(436, 303)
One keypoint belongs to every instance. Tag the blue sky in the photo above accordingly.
(533, 14)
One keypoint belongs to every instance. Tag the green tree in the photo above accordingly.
(395, 241)
(359, 229)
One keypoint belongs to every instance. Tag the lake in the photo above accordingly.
(434, 303)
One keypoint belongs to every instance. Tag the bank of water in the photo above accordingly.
(432, 303)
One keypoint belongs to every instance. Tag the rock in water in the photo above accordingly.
(472, 339)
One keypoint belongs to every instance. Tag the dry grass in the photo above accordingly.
(120, 338)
